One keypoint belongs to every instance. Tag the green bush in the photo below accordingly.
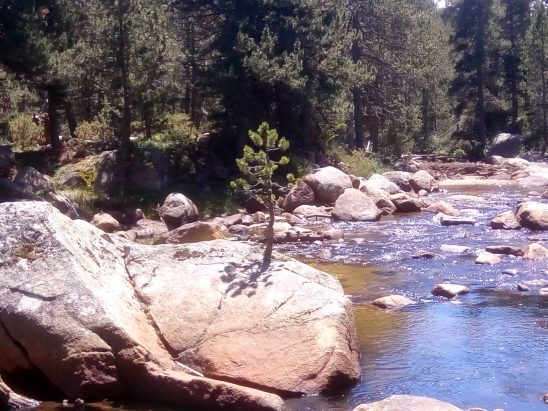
(94, 131)
(176, 138)
(355, 162)
(24, 133)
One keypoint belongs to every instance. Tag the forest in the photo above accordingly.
(192, 77)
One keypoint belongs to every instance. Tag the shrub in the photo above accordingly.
(94, 131)
(356, 162)
(24, 133)
(176, 138)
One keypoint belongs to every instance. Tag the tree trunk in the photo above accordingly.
(359, 131)
(125, 125)
(544, 143)
(480, 67)
(10, 400)
(71, 120)
(53, 118)
(425, 108)
(269, 235)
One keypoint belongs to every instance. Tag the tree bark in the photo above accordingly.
(544, 143)
(71, 120)
(10, 400)
(480, 67)
(123, 59)
(53, 118)
(359, 131)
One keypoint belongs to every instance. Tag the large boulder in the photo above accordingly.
(407, 403)
(405, 203)
(353, 205)
(300, 194)
(177, 210)
(192, 233)
(101, 317)
(384, 183)
(506, 145)
(34, 181)
(400, 178)
(422, 180)
(328, 184)
(505, 221)
(533, 215)
(380, 197)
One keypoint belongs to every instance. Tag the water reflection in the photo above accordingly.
(486, 349)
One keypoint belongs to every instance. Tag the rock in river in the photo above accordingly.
(533, 215)
(353, 205)
(449, 290)
(328, 184)
(102, 317)
(505, 250)
(392, 301)
(505, 221)
(446, 221)
(407, 403)
(486, 257)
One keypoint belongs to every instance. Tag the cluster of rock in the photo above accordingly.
(325, 195)
(528, 214)
(194, 325)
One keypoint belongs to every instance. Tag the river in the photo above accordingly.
(485, 349)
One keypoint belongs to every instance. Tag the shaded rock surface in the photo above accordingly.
(506, 145)
(127, 315)
(405, 203)
(328, 184)
(10, 400)
(300, 194)
(407, 403)
(32, 180)
(353, 205)
(380, 197)
(400, 178)
(7, 161)
(447, 221)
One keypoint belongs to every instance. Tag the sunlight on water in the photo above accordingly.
(486, 349)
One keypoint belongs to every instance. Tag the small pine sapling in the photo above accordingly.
(258, 167)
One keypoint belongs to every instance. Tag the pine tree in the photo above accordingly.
(537, 67)
(258, 166)
(514, 25)
(476, 42)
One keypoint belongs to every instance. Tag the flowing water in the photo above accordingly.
(487, 349)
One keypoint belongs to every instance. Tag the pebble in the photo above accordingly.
(523, 288)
